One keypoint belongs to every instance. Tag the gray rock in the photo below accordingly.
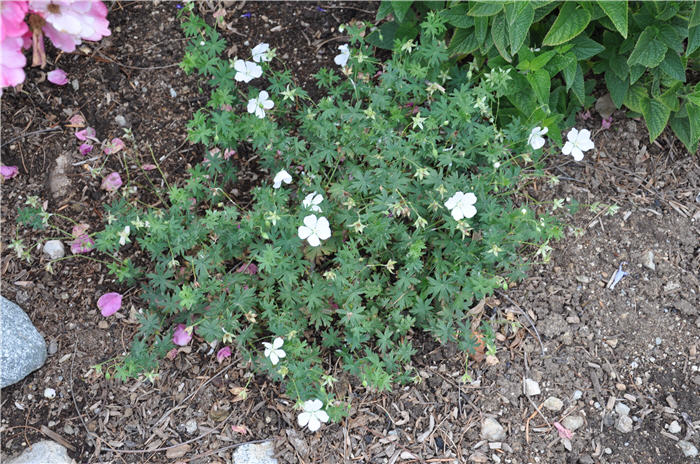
(689, 449)
(491, 430)
(54, 249)
(553, 403)
(22, 348)
(59, 182)
(624, 424)
(572, 422)
(674, 427)
(255, 453)
(191, 426)
(44, 452)
(531, 388)
(648, 260)
(622, 409)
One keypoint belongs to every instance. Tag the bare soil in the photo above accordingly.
(636, 344)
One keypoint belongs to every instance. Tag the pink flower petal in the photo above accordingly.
(181, 336)
(228, 153)
(79, 229)
(87, 133)
(242, 429)
(77, 120)
(606, 122)
(82, 244)
(148, 167)
(85, 148)
(250, 268)
(57, 76)
(172, 354)
(223, 353)
(112, 182)
(109, 303)
(114, 146)
(563, 431)
(8, 172)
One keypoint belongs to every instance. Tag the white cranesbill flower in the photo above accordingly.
(314, 230)
(259, 104)
(124, 235)
(261, 52)
(274, 351)
(535, 139)
(313, 415)
(461, 205)
(312, 200)
(246, 71)
(282, 176)
(342, 59)
(577, 143)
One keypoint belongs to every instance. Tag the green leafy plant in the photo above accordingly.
(641, 50)
(390, 208)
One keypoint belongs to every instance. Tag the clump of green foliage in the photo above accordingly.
(642, 51)
(386, 148)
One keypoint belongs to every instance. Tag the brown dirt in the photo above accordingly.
(599, 341)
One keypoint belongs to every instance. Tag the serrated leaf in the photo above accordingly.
(521, 95)
(571, 21)
(670, 97)
(656, 116)
(540, 81)
(636, 72)
(619, 67)
(481, 27)
(672, 66)
(541, 60)
(694, 119)
(519, 17)
(463, 42)
(485, 8)
(498, 34)
(457, 16)
(569, 69)
(578, 87)
(649, 51)
(617, 88)
(585, 48)
(670, 36)
(695, 17)
(637, 95)
(401, 7)
(693, 40)
(681, 127)
(617, 12)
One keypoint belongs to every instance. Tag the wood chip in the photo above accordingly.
(178, 451)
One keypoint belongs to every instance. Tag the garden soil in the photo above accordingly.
(596, 349)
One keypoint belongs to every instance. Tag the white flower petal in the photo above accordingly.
(303, 419)
(468, 211)
(469, 198)
(277, 343)
(457, 214)
(577, 154)
(322, 416)
(314, 241)
(323, 229)
(314, 423)
(281, 354)
(572, 135)
(274, 359)
(310, 221)
(304, 232)
(544, 131)
(566, 149)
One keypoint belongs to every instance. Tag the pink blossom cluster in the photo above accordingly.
(66, 23)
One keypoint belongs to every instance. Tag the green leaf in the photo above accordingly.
(541, 60)
(585, 48)
(618, 65)
(670, 97)
(672, 66)
(498, 34)
(485, 8)
(693, 40)
(519, 16)
(617, 12)
(569, 69)
(570, 23)
(649, 51)
(401, 7)
(694, 118)
(617, 88)
(578, 86)
(481, 27)
(636, 72)
(636, 99)
(521, 95)
(384, 10)
(540, 82)
(655, 116)
(695, 17)
(463, 42)
(671, 36)
(681, 127)
(457, 16)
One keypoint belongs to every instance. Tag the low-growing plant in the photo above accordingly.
(641, 50)
(390, 208)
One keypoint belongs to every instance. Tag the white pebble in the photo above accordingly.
(50, 393)
(674, 427)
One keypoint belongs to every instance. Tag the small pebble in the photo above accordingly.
(553, 403)
(620, 386)
(572, 422)
(531, 388)
(624, 424)
(622, 409)
(173, 93)
(689, 449)
(658, 340)
(50, 393)
(191, 426)
(649, 260)
(674, 427)
(491, 430)
(54, 249)
(121, 120)
(577, 395)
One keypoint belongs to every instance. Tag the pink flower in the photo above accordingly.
(223, 353)
(148, 167)
(87, 133)
(85, 148)
(12, 19)
(114, 146)
(250, 268)
(68, 23)
(112, 182)
(182, 336)
(109, 303)
(77, 120)
(79, 229)
(57, 76)
(228, 153)
(606, 122)
(12, 63)
(82, 244)
(563, 431)
(8, 172)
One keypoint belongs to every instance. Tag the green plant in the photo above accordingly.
(554, 48)
(385, 159)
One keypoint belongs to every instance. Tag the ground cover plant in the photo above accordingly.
(644, 53)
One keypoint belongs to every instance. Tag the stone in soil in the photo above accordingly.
(553, 403)
(491, 430)
(572, 422)
(624, 424)
(622, 409)
(531, 387)
(255, 453)
(689, 449)
(43, 452)
(54, 249)
(22, 348)
(674, 427)
(59, 183)
(649, 260)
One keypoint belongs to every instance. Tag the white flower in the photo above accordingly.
(497, 165)
(313, 415)
(258, 105)
(461, 205)
(535, 139)
(274, 350)
(312, 200)
(282, 176)
(246, 71)
(124, 235)
(578, 142)
(314, 230)
(260, 52)
(342, 59)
